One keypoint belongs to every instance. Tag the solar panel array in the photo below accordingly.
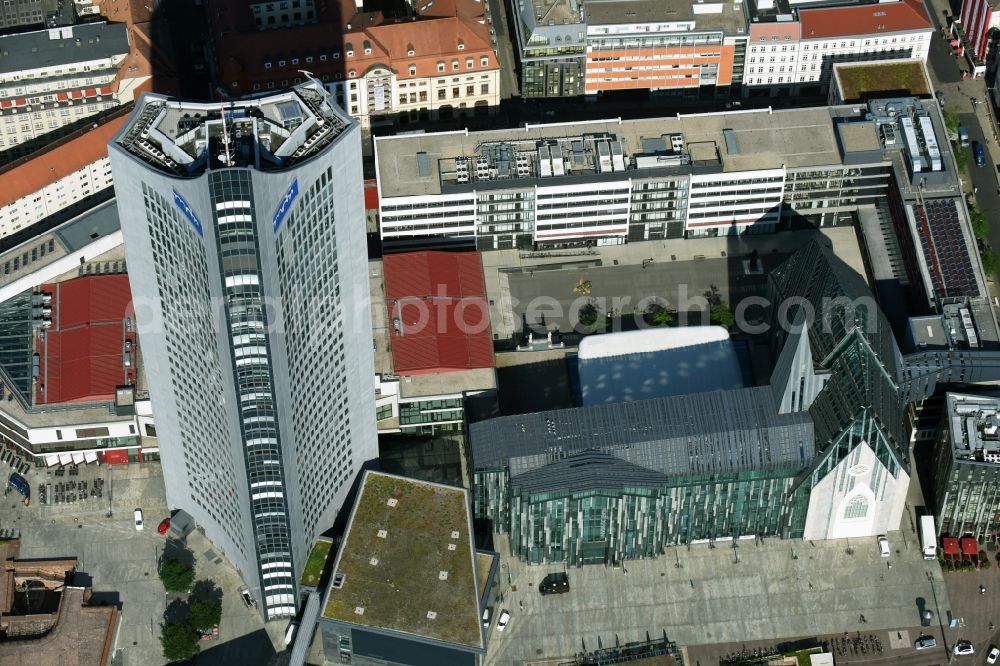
(945, 249)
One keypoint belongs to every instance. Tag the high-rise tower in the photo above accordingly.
(245, 238)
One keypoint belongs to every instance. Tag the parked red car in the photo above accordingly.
(163, 526)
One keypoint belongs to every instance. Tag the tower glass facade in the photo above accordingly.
(254, 315)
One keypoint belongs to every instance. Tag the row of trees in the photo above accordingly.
(186, 619)
(656, 314)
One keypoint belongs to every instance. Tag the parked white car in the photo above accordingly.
(137, 514)
(883, 546)
(504, 619)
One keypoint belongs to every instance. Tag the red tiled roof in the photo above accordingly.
(82, 354)
(54, 163)
(439, 301)
(455, 30)
(906, 15)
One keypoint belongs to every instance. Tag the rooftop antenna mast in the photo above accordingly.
(226, 156)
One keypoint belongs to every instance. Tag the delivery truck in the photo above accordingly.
(928, 537)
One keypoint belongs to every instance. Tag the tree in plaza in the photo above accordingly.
(176, 575)
(205, 613)
(179, 641)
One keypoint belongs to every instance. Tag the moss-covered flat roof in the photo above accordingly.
(484, 562)
(313, 570)
(859, 82)
(407, 562)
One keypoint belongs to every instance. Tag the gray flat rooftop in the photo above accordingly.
(67, 238)
(62, 46)
(729, 18)
(793, 138)
(445, 383)
(408, 562)
(974, 427)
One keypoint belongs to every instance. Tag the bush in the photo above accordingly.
(177, 576)
(722, 316)
(179, 641)
(980, 224)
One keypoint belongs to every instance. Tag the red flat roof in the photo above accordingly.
(82, 356)
(863, 20)
(438, 312)
(949, 545)
(371, 195)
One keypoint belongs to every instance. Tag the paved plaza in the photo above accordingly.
(765, 591)
(119, 559)
(516, 279)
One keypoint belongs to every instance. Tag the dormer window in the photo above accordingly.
(469, 62)
(351, 74)
(281, 63)
(267, 65)
(461, 45)
(484, 61)
(295, 61)
(368, 47)
(349, 49)
(440, 65)
(413, 70)
(309, 59)
(322, 58)
(410, 51)
(454, 65)
(336, 55)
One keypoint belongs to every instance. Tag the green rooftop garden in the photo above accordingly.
(316, 562)
(860, 81)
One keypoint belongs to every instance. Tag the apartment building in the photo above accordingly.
(792, 51)
(51, 81)
(440, 64)
(65, 174)
(614, 181)
(675, 47)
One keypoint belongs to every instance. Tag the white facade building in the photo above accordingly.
(63, 175)
(797, 55)
(53, 78)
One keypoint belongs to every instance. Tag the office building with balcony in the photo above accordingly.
(692, 49)
(966, 468)
(617, 181)
(255, 312)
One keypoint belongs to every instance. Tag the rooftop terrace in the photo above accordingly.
(267, 133)
(409, 541)
(727, 17)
